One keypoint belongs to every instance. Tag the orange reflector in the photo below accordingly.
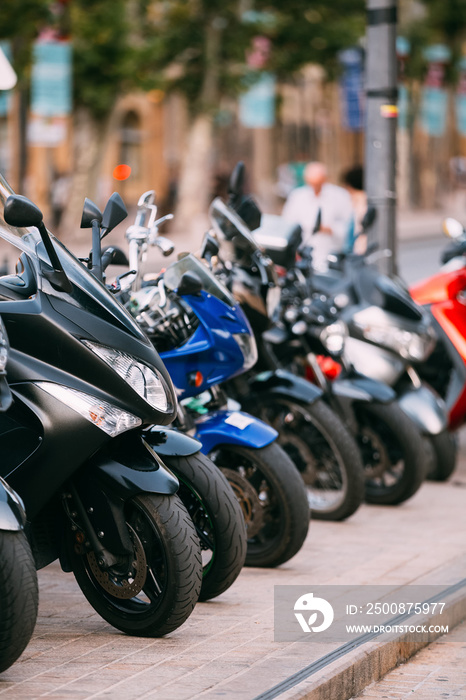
(121, 172)
(198, 379)
(80, 537)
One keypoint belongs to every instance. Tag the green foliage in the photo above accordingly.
(176, 37)
(313, 32)
(21, 22)
(445, 23)
(198, 47)
(103, 59)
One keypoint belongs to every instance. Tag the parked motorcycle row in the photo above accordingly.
(162, 431)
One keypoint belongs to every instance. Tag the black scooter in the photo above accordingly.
(86, 384)
(204, 489)
(19, 593)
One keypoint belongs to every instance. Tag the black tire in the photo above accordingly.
(217, 517)
(323, 451)
(171, 570)
(19, 596)
(444, 448)
(392, 452)
(273, 499)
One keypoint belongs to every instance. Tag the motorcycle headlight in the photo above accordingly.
(3, 347)
(333, 337)
(248, 347)
(410, 345)
(146, 382)
(104, 415)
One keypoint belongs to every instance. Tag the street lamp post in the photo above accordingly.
(381, 93)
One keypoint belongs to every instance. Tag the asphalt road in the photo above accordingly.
(418, 259)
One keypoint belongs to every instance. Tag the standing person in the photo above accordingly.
(323, 210)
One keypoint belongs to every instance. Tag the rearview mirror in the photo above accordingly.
(452, 228)
(91, 212)
(114, 256)
(236, 182)
(369, 218)
(20, 211)
(210, 247)
(114, 213)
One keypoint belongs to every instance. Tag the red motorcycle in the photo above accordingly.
(445, 295)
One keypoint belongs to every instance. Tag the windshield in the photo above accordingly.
(210, 283)
(230, 227)
(87, 291)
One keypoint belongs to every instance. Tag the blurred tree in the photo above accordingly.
(20, 23)
(195, 47)
(104, 67)
(200, 48)
(427, 22)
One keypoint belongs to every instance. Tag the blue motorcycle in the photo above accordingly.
(204, 338)
(19, 594)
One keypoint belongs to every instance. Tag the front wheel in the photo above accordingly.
(19, 596)
(323, 451)
(217, 517)
(444, 448)
(155, 590)
(272, 497)
(392, 451)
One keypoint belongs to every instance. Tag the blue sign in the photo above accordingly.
(51, 79)
(5, 94)
(352, 89)
(461, 114)
(257, 105)
(434, 103)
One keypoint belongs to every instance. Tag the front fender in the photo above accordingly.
(126, 467)
(12, 515)
(129, 466)
(285, 384)
(364, 389)
(425, 409)
(233, 428)
(171, 443)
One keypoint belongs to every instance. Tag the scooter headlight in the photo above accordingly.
(248, 347)
(333, 337)
(104, 415)
(411, 346)
(146, 382)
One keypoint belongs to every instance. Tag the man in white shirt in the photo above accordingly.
(334, 204)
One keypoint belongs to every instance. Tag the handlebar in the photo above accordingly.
(454, 250)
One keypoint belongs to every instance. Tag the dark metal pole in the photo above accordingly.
(381, 93)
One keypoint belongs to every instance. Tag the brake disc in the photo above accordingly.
(249, 501)
(129, 584)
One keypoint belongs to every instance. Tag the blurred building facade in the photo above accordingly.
(148, 133)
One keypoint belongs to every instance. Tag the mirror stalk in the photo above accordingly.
(96, 267)
(57, 277)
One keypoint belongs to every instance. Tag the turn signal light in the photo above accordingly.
(195, 379)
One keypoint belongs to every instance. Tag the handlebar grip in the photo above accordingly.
(453, 251)
(106, 258)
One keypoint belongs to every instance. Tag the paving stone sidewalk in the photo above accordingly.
(435, 673)
(226, 648)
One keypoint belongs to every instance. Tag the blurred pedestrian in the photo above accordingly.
(353, 181)
(323, 210)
